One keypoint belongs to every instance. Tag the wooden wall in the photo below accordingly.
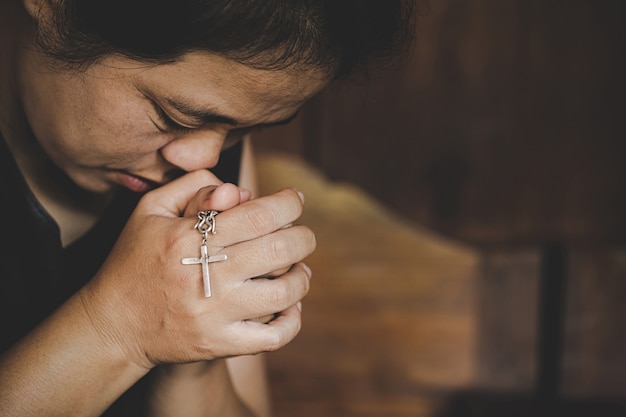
(506, 130)
(507, 124)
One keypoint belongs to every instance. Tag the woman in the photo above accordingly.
(123, 124)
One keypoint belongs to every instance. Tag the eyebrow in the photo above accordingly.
(206, 116)
(201, 115)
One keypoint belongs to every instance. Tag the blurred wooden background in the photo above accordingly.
(503, 135)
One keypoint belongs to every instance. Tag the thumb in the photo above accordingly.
(216, 197)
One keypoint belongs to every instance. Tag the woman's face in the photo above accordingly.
(126, 123)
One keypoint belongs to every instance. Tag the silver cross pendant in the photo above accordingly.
(204, 260)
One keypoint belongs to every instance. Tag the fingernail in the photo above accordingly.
(299, 306)
(244, 194)
(307, 270)
(301, 196)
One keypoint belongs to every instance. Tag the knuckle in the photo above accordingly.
(275, 342)
(260, 218)
(292, 293)
(278, 339)
(281, 295)
(297, 204)
(277, 298)
(279, 251)
(303, 241)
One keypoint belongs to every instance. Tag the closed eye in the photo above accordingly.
(170, 124)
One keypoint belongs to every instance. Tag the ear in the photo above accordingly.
(38, 9)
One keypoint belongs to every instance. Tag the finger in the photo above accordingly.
(199, 201)
(216, 197)
(273, 335)
(258, 217)
(171, 199)
(261, 256)
(264, 297)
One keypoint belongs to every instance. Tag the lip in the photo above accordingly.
(135, 183)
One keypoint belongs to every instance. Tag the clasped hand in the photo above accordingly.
(147, 303)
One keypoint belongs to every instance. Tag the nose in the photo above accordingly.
(194, 150)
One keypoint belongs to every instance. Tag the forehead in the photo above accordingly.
(211, 81)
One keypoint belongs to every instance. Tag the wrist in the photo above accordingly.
(108, 323)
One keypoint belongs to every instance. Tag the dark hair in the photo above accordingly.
(339, 36)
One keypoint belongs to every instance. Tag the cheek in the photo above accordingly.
(110, 133)
(88, 120)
